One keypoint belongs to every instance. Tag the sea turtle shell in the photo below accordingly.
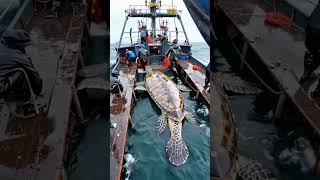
(166, 95)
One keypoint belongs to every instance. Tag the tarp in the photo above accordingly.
(11, 59)
(200, 12)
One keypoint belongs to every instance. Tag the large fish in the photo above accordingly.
(167, 96)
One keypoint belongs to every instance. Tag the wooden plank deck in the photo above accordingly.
(268, 46)
(196, 77)
(120, 112)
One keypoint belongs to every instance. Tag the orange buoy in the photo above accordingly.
(166, 62)
(196, 67)
(278, 19)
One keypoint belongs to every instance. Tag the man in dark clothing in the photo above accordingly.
(144, 34)
(13, 55)
(312, 56)
(143, 56)
(131, 57)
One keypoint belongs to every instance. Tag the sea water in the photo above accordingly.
(148, 149)
(88, 156)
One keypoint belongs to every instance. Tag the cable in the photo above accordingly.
(258, 77)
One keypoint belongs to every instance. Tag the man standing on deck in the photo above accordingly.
(164, 37)
(143, 56)
(150, 38)
(312, 56)
(143, 34)
(131, 56)
(13, 55)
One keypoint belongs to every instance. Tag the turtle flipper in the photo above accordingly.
(176, 149)
(183, 88)
(161, 123)
(190, 117)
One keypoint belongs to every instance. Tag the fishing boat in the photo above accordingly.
(161, 20)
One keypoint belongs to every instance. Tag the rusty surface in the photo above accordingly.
(275, 44)
(223, 138)
(197, 77)
(32, 147)
(23, 140)
(120, 109)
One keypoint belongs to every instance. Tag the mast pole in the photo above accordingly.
(153, 10)
(124, 26)
(184, 30)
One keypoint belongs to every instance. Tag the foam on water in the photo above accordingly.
(128, 166)
(204, 111)
(144, 144)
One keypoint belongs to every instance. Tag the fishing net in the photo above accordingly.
(253, 170)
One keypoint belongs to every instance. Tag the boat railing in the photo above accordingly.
(141, 9)
(133, 37)
(8, 13)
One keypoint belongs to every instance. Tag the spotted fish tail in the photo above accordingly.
(176, 149)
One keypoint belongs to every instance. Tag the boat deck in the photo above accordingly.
(120, 113)
(197, 78)
(33, 148)
(277, 53)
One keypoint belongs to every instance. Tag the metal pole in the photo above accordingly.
(124, 26)
(184, 30)
(77, 103)
(131, 36)
(153, 20)
(280, 105)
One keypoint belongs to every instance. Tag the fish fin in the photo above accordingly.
(141, 88)
(190, 117)
(177, 151)
(161, 123)
(184, 88)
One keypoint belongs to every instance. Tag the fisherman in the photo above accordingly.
(175, 41)
(130, 57)
(13, 55)
(312, 55)
(115, 84)
(144, 34)
(142, 57)
(150, 38)
(159, 37)
(207, 80)
(164, 38)
(171, 54)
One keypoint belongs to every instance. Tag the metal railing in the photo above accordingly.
(139, 9)
(135, 36)
(8, 14)
(32, 95)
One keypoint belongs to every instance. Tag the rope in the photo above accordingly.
(258, 77)
(186, 81)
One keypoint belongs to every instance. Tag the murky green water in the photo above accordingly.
(88, 157)
(148, 148)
